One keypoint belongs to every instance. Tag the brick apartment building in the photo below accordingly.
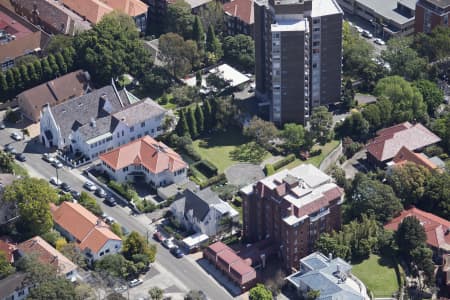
(298, 56)
(239, 17)
(292, 208)
(432, 13)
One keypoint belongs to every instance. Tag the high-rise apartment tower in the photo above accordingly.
(298, 46)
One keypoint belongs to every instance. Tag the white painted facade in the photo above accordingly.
(111, 247)
(48, 123)
(132, 172)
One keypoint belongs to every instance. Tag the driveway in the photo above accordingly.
(354, 165)
(243, 174)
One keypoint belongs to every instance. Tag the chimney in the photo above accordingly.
(93, 124)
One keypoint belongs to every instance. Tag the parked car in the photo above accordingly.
(367, 34)
(120, 289)
(379, 41)
(135, 282)
(100, 193)
(21, 157)
(104, 216)
(55, 181)
(125, 230)
(9, 149)
(2, 126)
(75, 194)
(89, 186)
(176, 252)
(48, 158)
(65, 187)
(110, 201)
(168, 243)
(16, 136)
(157, 236)
(57, 164)
(359, 29)
(110, 220)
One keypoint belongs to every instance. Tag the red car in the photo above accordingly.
(158, 236)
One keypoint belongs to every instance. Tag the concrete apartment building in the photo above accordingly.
(431, 13)
(298, 48)
(291, 208)
(390, 18)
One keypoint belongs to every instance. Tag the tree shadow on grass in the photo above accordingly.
(232, 137)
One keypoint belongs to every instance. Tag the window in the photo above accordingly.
(107, 251)
(122, 132)
(143, 124)
(131, 128)
(125, 169)
(118, 135)
(316, 21)
(101, 253)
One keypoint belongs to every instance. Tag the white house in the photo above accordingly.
(92, 236)
(100, 121)
(14, 287)
(145, 159)
(203, 211)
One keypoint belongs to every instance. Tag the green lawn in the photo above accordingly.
(19, 170)
(220, 144)
(378, 274)
(316, 160)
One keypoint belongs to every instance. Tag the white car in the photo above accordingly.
(167, 243)
(16, 136)
(55, 181)
(379, 41)
(367, 34)
(89, 186)
(48, 158)
(359, 29)
(135, 282)
(110, 220)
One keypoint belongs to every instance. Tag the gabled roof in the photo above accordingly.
(12, 283)
(390, 140)
(241, 9)
(153, 155)
(89, 231)
(46, 254)
(139, 112)
(405, 155)
(436, 228)
(200, 202)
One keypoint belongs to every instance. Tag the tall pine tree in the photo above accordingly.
(200, 119)
(192, 123)
(32, 74)
(24, 73)
(198, 33)
(55, 68)
(17, 79)
(38, 70)
(213, 45)
(3, 86)
(68, 54)
(207, 115)
(10, 81)
(61, 63)
(182, 126)
(47, 72)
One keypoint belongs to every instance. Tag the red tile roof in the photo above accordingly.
(235, 262)
(217, 247)
(405, 155)
(436, 228)
(228, 256)
(390, 140)
(242, 9)
(146, 151)
(47, 254)
(87, 228)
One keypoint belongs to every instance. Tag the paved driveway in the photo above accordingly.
(243, 174)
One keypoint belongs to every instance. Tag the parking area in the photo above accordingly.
(356, 21)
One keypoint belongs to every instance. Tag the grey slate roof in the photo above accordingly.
(102, 126)
(139, 112)
(9, 284)
(76, 112)
(200, 202)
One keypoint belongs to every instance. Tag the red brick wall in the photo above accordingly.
(419, 19)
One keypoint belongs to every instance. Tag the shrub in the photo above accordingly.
(205, 167)
(124, 190)
(269, 169)
(203, 144)
(283, 162)
(192, 153)
(214, 180)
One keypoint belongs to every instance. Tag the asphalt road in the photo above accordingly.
(186, 274)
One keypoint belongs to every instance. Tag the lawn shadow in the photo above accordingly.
(232, 137)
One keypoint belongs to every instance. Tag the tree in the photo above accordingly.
(61, 62)
(36, 272)
(213, 44)
(182, 127)
(407, 101)
(410, 235)
(348, 99)
(195, 295)
(192, 123)
(74, 254)
(57, 289)
(38, 69)
(198, 34)
(58, 42)
(11, 82)
(354, 126)
(115, 227)
(199, 117)
(403, 60)
(136, 244)
(6, 268)
(53, 65)
(321, 124)
(312, 294)
(259, 292)
(371, 113)
(422, 259)
(225, 113)
(436, 198)
(33, 76)
(116, 266)
(32, 196)
(326, 243)
(156, 293)
(18, 78)
(435, 45)
(60, 243)
(172, 51)
(115, 296)
(208, 114)
(294, 137)
(6, 162)
(47, 71)
(90, 203)
(239, 51)
(408, 182)
(179, 19)
(3, 85)
(432, 95)
(373, 198)
(24, 74)
(212, 14)
(68, 55)
(261, 131)
(191, 52)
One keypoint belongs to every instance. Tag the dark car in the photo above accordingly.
(21, 157)
(158, 236)
(65, 187)
(110, 201)
(75, 194)
(176, 252)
